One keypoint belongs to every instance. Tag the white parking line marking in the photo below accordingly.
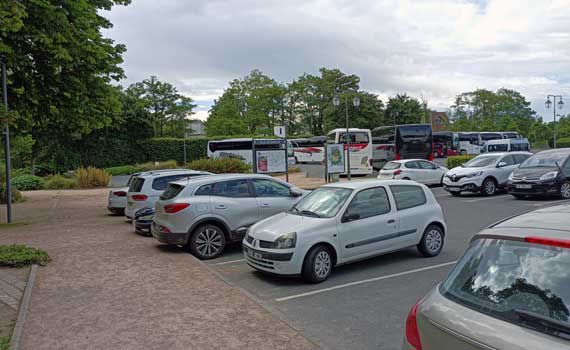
(548, 203)
(356, 283)
(229, 262)
(480, 199)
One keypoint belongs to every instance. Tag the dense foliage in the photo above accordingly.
(21, 255)
(59, 182)
(16, 195)
(27, 182)
(161, 149)
(220, 165)
(123, 170)
(91, 177)
(455, 161)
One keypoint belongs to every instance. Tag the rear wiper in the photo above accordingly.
(547, 324)
(310, 213)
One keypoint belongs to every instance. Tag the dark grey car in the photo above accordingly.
(510, 290)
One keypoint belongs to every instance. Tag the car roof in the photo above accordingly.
(224, 177)
(363, 184)
(553, 222)
(166, 172)
(556, 150)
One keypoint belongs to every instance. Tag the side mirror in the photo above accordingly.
(501, 164)
(348, 217)
(293, 192)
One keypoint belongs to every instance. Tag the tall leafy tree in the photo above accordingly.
(368, 115)
(60, 68)
(404, 109)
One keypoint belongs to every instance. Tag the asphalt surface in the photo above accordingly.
(364, 305)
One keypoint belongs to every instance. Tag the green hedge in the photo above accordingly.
(58, 182)
(27, 183)
(162, 149)
(21, 255)
(220, 165)
(454, 161)
(563, 142)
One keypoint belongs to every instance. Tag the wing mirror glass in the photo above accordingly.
(293, 192)
(501, 164)
(350, 217)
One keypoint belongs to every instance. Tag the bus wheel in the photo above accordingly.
(463, 152)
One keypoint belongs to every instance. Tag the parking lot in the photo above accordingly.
(364, 305)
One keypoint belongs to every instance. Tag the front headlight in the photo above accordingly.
(549, 176)
(479, 173)
(286, 241)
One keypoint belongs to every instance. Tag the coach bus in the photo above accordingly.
(360, 143)
(411, 141)
(310, 150)
(241, 149)
(446, 143)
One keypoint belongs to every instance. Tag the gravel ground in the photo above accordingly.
(108, 288)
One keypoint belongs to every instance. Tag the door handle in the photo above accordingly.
(391, 221)
(220, 206)
(265, 205)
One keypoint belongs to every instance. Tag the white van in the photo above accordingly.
(506, 145)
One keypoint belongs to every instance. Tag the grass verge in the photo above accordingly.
(21, 255)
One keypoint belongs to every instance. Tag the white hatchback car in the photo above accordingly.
(146, 188)
(485, 173)
(419, 170)
(344, 222)
(117, 199)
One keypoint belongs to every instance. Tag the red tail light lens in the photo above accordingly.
(562, 243)
(120, 193)
(412, 332)
(164, 230)
(397, 172)
(139, 197)
(175, 207)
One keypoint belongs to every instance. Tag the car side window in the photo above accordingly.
(234, 188)
(426, 165)
(412, 165)
(160, 183)
(269, 188)
(370, 202)
(204, 190)
(510, 160)
(408, 196)
(519, 158)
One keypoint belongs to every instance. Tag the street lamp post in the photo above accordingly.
(7, 145)
(355, 103)
(548, 103)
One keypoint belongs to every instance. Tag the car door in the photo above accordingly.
(367, 224)
(506, 165)
(233, 201)
(272, 197)
(412, 171)
(410, 201)
(430, 175)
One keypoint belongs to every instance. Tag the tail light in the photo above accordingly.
(430, 157)
(139, 197)
(175, 207)
(412, 332)
(397, 172)
(120, 193)
(164, 230)
(561, 243)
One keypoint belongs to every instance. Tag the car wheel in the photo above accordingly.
(207, 242)
(318, 264)
(565, 190)
(455, 194)
(489, 187)
(463, 153)
(432, 241)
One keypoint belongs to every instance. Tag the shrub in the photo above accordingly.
(123, 170)
(5, 343)
(562, 142)
(21, 255)
(16, 195)
(454, 161)
(220, 165)
(20, 172)
(91, 177)
(294, 169)
(27, 183)
(58, 182)
(168, 164)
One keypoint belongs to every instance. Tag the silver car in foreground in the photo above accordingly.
(509, 291)
(205, 213)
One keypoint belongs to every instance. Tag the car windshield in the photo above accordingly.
(324, 202)
(481, 162)
(391, 166)
(546, 159)
(518, 282)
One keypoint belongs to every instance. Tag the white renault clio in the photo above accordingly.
(344, 222)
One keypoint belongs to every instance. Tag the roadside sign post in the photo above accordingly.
(269, 156)
(280, 131)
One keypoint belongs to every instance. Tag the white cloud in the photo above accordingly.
(429, 48)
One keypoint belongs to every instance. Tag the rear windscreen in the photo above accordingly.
(391, 166)
(523, 283)
(171, 191)
(136, 184)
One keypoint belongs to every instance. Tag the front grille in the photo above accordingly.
(526, 178)
(454, 178)
(266, 244)
(261, 263)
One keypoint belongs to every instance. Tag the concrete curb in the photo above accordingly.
(23, 313)
(263, 304)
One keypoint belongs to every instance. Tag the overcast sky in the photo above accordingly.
(431, 48)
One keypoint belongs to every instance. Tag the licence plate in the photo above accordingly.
(523, 186)
(253, 254)
(453, 189)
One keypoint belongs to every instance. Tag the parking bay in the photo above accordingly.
(364, 305)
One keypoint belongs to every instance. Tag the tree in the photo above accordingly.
(164, 105)
(369, 115)
(59, 68)
(404, 109)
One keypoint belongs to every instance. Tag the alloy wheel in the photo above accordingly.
(433, 241)
(209, 242)
(565, 190)
(322, 264)
(490, 187)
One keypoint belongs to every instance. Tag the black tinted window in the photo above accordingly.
(204, 190)
(519, 158)
(269, 188)
(519, 282)
(171, 191)
(426, 165)
(370, 202)
(136, 184)
(160, 183)
(235, 188)
(412, 165)
(408, 196)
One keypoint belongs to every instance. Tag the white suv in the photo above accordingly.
(145, 188)
(203, 214)
(485, 173)
(344, 222)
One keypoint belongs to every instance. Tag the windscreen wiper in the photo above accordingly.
(544, 323)
(310, 213)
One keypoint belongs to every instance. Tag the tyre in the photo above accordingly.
(318, 264)
(207, 242)
(463, 152)
(565, 190)
(455, 194)
(489, 187)
(432, 241)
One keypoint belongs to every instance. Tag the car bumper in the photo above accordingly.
(533, 189)
(116, 210)
(170, 237)
(277, 263)
(143, 227)
(461, 186)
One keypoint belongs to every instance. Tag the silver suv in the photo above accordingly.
(204, 214)
(145, 188)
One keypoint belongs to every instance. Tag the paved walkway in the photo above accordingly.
(12, 285)
(108, 288)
